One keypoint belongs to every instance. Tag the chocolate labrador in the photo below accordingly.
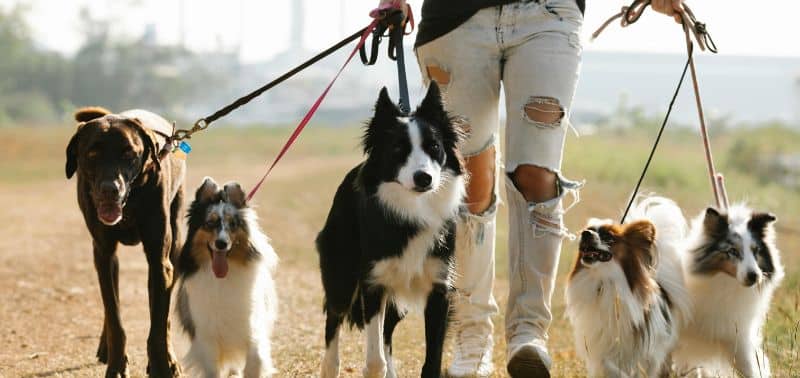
(129, 193)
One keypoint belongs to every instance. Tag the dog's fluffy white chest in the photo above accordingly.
(410, 276)
(233, 313)
(745, 307)
(613, 334)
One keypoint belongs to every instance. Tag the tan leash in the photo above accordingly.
(696, 30)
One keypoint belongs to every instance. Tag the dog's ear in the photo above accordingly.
(72, 149)
(89, 113)
(759, 221)
(641, 235)
(148, 137)
(714, 223)
(385, 107)
(72, 153)
(207, 191)
(432, 108)
(235, 194)
(386, 113)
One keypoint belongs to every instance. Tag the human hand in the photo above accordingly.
(398, 3)
(672, 8)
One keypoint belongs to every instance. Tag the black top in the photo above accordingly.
(439, 17)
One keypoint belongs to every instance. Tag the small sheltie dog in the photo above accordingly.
(626, 296)
(732, 271)
(388, 243)
(226, 297)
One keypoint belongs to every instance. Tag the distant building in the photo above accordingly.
(797, 100)
(297, 36)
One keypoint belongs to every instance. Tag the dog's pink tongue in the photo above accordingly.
(219, 264)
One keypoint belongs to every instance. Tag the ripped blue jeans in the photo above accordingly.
(533, 49)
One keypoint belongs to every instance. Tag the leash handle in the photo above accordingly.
(296, 133)
(393, 19)
(630, 14)
(691, 28)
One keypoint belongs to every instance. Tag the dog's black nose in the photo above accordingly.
(752, 277)
(587, 239)
(422, 179)
(108, 189)
(221, 244)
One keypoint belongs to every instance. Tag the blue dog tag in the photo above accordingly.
(185, 147)
(183, 150)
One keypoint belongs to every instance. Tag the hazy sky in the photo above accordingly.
(740, 27)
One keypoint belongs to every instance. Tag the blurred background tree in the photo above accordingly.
(40, 86)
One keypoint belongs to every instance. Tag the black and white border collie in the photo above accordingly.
(733, 268)
(388, 243)
(226, 297)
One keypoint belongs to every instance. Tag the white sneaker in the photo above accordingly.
(529, 360)
(473, 354)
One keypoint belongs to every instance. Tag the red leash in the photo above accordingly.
(314, 107)
(377, 15)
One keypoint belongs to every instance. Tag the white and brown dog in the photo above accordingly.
(226, 298)
(626, 296)
(733, 268)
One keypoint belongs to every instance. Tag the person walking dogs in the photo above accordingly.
(532, 47)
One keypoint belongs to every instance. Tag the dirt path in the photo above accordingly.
(51, 312)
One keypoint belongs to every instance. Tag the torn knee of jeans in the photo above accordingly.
(543, 112)
(438, 74)
(475, 225)
(547, 217)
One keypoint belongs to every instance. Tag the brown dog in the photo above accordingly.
(129, 194)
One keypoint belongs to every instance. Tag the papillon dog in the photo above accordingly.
(626, 295)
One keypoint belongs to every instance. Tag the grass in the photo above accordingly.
(52, 308)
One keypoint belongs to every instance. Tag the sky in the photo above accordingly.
(261, 27)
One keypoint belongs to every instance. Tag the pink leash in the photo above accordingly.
(311, 111)
(377, 15)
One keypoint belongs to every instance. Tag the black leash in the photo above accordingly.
(402, 80)
(691, 28)
(393, 21)
(203, 123)
(655, 144)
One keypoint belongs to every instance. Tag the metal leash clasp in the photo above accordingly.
(182, 134)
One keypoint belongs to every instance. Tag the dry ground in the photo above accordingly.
(51, 311)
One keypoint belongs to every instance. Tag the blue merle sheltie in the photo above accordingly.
(387, 246)
(226, 297)
(733, 267)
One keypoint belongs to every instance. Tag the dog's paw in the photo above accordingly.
(102, 352)
(329, 371)
(375, 369)
(118, 369)
(168, 369)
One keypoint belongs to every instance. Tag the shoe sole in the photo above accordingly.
(527, 364)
